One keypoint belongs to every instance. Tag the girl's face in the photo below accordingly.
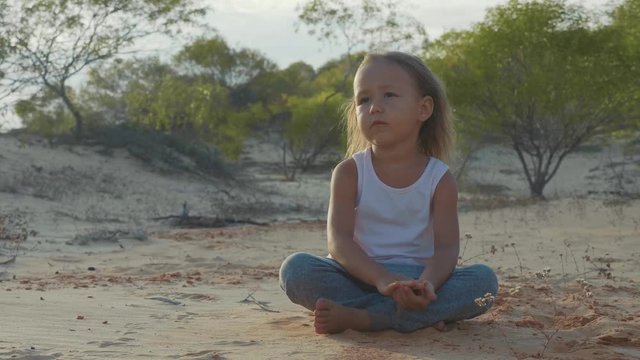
(389, 108)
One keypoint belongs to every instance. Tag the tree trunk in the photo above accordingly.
(61, 90)
(537, 189)
(288, 175)
(76, 115)
(536, 178)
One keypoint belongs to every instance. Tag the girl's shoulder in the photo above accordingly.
(344, 183)
(350, 165)
(346, 169)
(435, 162)
(437, 168)
(446, 188)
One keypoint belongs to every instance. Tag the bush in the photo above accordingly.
(162, 150)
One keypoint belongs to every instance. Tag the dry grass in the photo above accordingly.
(108, 236)
(14, 232)
(57, 184)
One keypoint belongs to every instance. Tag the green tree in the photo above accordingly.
(234, 69)
(270, 87)
(304, 149)
(102, 99)
(4, 41)
(626, 19)
(305, 115)
(45, 114)
(162, 99)
(297, 79)
(151, 94)
(179, 106)
(215, 59)
(625, 22)
(103, 94)
(53, 40)
(531, 74)
(6, 89)
(364, 25)
(272, 92)
(245, 76)
(255, 86)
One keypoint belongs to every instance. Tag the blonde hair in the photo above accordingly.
(436, 134)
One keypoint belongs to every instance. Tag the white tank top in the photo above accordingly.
(395, 225)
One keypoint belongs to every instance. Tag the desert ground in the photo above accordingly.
(92, 266)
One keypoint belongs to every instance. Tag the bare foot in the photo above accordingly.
(441, 326)
(332, 318)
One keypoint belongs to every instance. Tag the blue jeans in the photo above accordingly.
(305, 278)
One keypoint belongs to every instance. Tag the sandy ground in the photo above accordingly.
(153, 291)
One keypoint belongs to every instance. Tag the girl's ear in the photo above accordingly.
(426, 108)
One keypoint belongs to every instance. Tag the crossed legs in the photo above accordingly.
(341, 302)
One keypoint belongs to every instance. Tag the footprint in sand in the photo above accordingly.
(135, 326)
(291, 322)
(124, 341)
(358, 352)
(172, 298)
(238, 342)
(29, 354)
(195, 297)
(187, 315)
(205, 354)
(160, 316)
(614, 339)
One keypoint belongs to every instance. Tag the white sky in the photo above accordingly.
(269, 26)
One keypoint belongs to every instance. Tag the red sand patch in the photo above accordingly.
(529, 322)
(237, 231)
(576, 321)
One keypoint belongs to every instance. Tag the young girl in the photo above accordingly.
(392, 224)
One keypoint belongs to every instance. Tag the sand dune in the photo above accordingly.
(213, 293)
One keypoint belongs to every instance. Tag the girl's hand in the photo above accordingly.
(414, 294)
(390, 283)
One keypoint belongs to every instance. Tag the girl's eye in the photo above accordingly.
(363, 100)
(389, 94)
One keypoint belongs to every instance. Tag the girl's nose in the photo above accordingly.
(376, 107)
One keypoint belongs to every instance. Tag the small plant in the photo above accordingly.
(468, 237)
(604, 268)
(568, 247)
(586, 287)
(14, 232)
(108, 236)
(493, 250)
(486, 301)
(513, 245)
(544, 273)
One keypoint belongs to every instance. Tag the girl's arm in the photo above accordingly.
(439, 267)
(340, 226)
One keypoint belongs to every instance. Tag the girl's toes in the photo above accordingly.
(440, 326)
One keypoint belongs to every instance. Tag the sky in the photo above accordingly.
(269, 26)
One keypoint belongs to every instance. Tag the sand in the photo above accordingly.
(161, 292)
